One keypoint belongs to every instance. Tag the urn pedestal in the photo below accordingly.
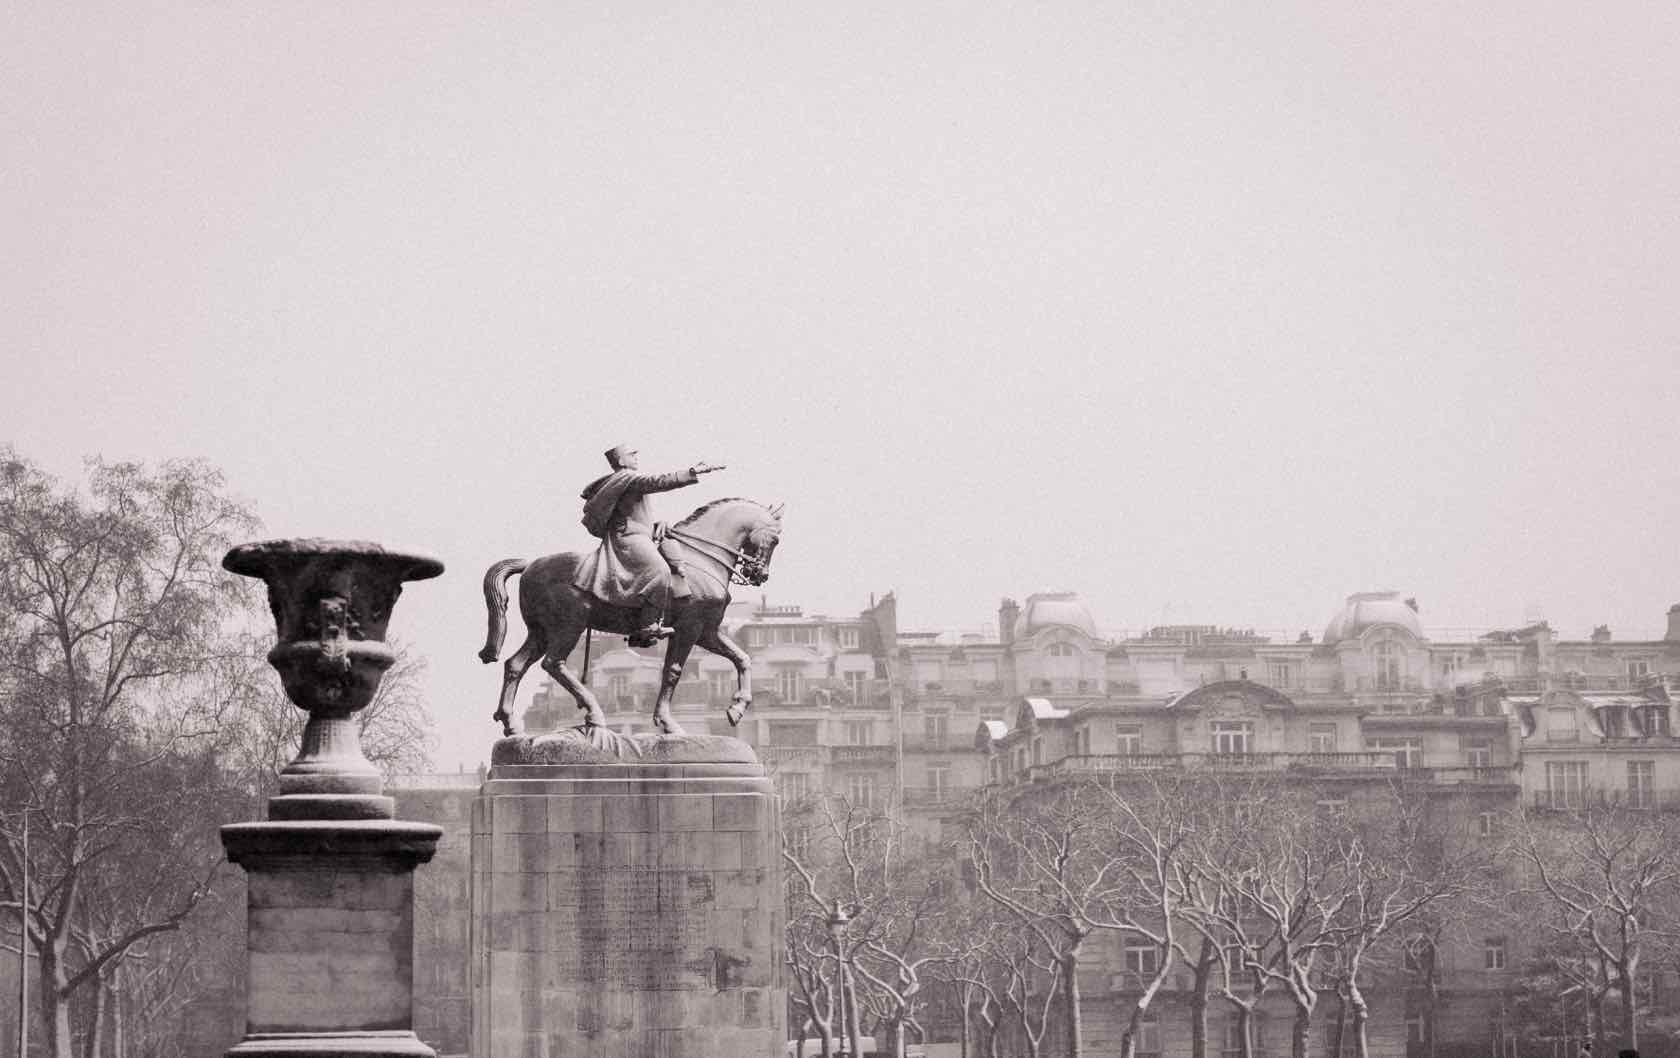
(626, 900)
(330, 911)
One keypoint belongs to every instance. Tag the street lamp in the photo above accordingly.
(837, 921)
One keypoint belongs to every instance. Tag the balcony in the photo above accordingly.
(1468, 775)
(935, 796)
(867, 755)
(1573, 800)
(794, 757)
(1303, 764)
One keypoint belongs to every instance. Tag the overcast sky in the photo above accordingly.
(1212, 313)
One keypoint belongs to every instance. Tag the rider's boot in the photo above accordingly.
(649, 630)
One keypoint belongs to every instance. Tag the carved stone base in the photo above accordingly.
(626, 901)
(330, 935)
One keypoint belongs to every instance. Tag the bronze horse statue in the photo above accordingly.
(728, 542)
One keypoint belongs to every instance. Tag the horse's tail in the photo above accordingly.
(495, 600)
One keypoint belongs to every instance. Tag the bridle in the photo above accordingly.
(746, 568)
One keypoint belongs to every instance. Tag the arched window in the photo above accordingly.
(1391, 666)
(1061, 650)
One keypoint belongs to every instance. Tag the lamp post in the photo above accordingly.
(837, 921)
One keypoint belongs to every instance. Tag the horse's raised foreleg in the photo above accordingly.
(513, 670)
(676, 656)
(720, 644)
(554, 663)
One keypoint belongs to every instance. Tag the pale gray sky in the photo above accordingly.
(1230, 308)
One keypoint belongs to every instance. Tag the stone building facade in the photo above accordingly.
(853, 705)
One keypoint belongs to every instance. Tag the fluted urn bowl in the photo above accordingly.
(332, 602)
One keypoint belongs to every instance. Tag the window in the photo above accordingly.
(1321, 738)
(1391, 666)
(939, 780)
(1560, 725)
(722, 685)
(798, 842)
(1637, 669)
(1493, 953)
(1280, 674)
(1487, 824)
(1566, 783)
(936, 728)
(1128, 739)
(1148, 1043)
(857, 732)
(1478, 752)
(1641, 778)
(1061, 650)
(1232, 737)
(1656, 719)
(793, 733)
(1332, 806)
(1408, 752)
(855, 686)
(847, 636)
(619, 687)
(787, 684)
(860, 790)
(1038, 750)
(796, 785)
(1142, 957)
(1231, 1038)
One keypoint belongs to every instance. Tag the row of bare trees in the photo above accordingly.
(136, 716)
(1242, 892)
(1246, 889)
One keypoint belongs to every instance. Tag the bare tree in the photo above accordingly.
(1601, 878)
(111, 609)
(1394, 869)
(1048, 857)
(894, 896)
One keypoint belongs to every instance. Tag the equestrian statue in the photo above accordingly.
(645, 581)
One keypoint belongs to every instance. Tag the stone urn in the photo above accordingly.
(331, 601)
(330, 873)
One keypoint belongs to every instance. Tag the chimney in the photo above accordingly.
(1009, 612)
(1673, 623)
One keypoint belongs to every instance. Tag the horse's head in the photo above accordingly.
(747, 531)
(758, 545)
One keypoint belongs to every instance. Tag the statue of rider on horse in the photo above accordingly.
(629, 568)
(641, 576)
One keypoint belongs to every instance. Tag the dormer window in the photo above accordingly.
(1656, 719)
(1560, 725)
(1391, 666)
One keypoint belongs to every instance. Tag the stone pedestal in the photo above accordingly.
(330, 911)
(330, 936)
(626, 901)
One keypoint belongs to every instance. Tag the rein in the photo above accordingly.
(741, 565)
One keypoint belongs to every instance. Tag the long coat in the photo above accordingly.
(627, 567)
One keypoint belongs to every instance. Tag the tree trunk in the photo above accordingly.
(895, 1038)
(1199, 1002)
(1630, 1014)
(1298, 1035)
(1361, 1014)
(1245, 1031)
(55, 1006)
(96, 1024)
(1339, 1026)
(1075, 1027)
